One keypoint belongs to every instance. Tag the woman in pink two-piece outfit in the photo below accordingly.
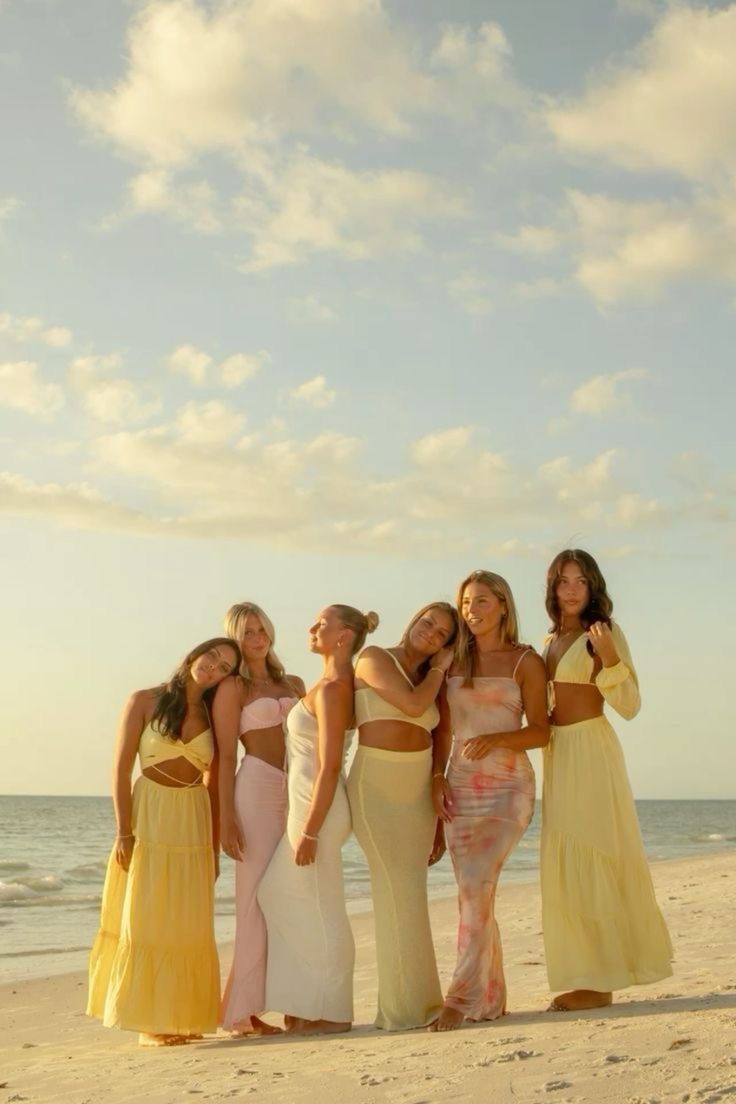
(487, 796)
(253, 803)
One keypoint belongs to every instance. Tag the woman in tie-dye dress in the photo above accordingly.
(486, 797)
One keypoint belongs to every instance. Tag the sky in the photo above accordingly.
(312, 301)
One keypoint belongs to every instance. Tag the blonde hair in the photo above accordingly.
(443, 607)
(465, 650)
(235, 619)
(359, 623)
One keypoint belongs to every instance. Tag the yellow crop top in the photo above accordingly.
(370, 706)
(154, 748)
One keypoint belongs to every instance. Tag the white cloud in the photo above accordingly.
(471, 292)
(8, 204)
(314, 206)
(189, 361)
(22, 389)
(671, 107)
(208, 423)
(310, 308)
(314, 392)
(442, 446)
(192, 202)
(118, 402)
(234, 75)
(602, 394)
(239, 367)
(84, 371)
(30, 328)
(535, 240)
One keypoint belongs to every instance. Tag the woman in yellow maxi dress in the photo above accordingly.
(603, 929)
(153, 967)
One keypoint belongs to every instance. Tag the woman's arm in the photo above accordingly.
(333, 708)
(535, 733)
(617, 679)
(226, 723)
(212, 783)
(441, 747)
(130, 728)
(377, 670)
(297, 685)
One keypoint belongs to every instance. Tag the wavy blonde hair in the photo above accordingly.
(465, 648)
(235, 619)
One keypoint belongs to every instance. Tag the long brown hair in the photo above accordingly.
(465, 649)
(171, 697)
(443, 607)
(600, 605)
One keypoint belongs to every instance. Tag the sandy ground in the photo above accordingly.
(674, 1041)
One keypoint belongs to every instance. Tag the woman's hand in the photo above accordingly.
(306, 852)
(479, 746)
(601, 640)
(443, 659)
(217, 865)
(442, 797)
(439, 846)
(231, 839)
(124, 850)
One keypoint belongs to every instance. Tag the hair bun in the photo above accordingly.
(371, 621)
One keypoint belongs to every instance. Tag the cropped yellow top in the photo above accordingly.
(154, 748)
(370, 706)
(619, 684)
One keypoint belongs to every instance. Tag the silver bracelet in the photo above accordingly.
(306, 835)
(438, 774)
(129, 836)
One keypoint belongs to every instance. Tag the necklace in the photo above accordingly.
(260, 682)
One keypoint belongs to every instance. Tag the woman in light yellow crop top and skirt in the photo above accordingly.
(153, 967)
(390, 793)
(602, 927)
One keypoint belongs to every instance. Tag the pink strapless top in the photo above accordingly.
(265, 713)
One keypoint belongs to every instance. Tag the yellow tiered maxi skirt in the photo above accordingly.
(602, 926)
(154, 965)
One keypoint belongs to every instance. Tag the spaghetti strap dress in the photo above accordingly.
(311, 952)
(493, 802)
(603, 929)
(153, 966)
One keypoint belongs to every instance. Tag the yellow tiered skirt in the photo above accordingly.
(602, 926)
(154, 965)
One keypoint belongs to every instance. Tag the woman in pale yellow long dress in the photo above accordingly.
(602, 926)
(390, 794)
(154, 967)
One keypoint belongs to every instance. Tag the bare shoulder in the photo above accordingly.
(229, 690)
(334, 693)
(530, 664)
(141, 701)
(373, 653)
(296, 683)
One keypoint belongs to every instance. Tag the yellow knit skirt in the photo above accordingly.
(394, 822)
(154, 965)
(602, 926)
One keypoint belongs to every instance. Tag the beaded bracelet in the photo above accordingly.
(306, 835)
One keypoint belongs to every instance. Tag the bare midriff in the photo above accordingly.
(174, 772)
(267, 744)
(394, 736)
(576, 702)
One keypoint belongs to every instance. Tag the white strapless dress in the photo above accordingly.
(311, 952)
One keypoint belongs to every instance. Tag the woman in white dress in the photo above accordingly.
(311, 953)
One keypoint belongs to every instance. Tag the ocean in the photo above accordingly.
(54, 850)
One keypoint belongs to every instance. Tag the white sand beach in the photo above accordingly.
(674, 1041)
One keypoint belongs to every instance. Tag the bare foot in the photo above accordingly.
(579, 999)
(292, 1024)
(146, 1040)
(321, 1027)
(449, 1019)
(253, 1025)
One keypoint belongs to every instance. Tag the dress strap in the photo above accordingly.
(182, 785)
(398, 664)
(523, 655)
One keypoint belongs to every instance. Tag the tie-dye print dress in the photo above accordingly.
(493, 802)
